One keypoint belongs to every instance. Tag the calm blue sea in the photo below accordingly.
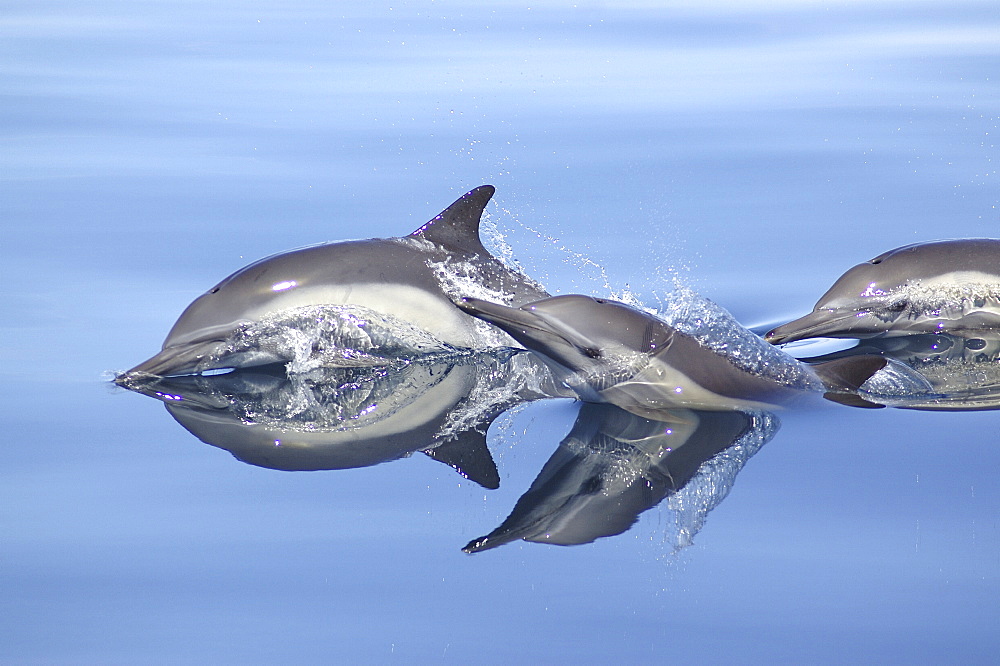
(750, 150)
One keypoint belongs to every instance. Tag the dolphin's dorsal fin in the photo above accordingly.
(457, 226)
(843, 376)
(470, 457)
(849, 373)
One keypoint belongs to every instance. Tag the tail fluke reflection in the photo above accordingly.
(614, 465)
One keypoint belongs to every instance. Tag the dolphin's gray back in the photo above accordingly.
(938, 257)
(424, 260)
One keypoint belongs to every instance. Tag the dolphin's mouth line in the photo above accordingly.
(587, 350)
(805, 331)
(134, 378)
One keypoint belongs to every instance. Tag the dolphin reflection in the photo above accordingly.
(613, 465)
(346, 417)
(960, 372)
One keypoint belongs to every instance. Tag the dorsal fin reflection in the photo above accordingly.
(958, 372)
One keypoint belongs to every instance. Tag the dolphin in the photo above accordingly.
(608, 351)
(613, 465)
(947, 285)
(405, 278)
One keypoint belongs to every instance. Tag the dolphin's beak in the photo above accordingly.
(497, 537)
(173, 361)
(817, 324)
(525, 326)
(507, 318)
(537, 333)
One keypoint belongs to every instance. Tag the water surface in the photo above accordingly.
(752, 151)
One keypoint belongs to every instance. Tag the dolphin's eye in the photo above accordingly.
(600, 300)
(591, 352)
(591, 486)
(887, 313)
(975, 344)
(214, 290)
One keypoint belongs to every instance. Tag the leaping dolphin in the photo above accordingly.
(948, 285)
(608, 351)
(404, 278)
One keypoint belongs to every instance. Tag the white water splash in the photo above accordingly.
(713, 327)
(689, 507)
(459, 279)
(319, 336)
(502, 381)
(949, 302)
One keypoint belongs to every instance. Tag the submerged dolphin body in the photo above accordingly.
(948, 285)
(610, 352)
(403, 278)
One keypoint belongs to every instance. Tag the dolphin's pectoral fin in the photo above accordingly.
(457, 226)
(470, 457)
